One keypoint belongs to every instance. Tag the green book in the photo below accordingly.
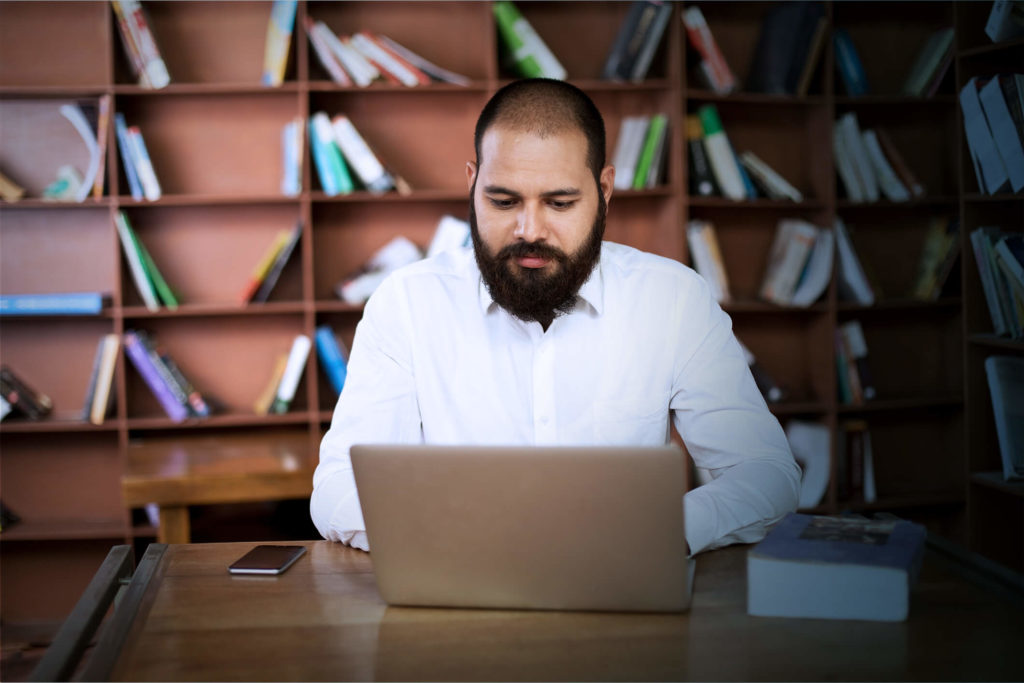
(340, 168)
(156, 280)
(649, 153)
(532, 57)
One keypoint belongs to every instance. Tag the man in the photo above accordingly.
(545, 335)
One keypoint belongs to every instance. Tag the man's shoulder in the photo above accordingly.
(623, 262)
(444, 270)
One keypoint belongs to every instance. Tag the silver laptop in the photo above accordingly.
(560, 528)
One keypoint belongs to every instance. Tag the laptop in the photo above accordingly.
(521, 527)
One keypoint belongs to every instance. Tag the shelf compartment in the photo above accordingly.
(994, 480)
(36, 49)
(795, 352)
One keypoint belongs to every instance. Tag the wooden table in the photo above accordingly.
(209, 471)
(324, 620)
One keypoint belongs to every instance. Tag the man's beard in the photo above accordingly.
(531, 294)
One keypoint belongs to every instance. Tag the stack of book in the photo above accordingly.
(279, 393)
(855, 384)
(175, 393)
(799, 264)
(139, 44)
(16, 396)
(150, 283)
(1000, 259)
(870, 165)
(138, 167)
(993, 115)
(366, 57)
(344, 160)
(637, 41)
(267, 272)
(640, 152)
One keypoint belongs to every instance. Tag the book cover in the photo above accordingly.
(848, 63)
(172, 381)
(714, 68)
(129, 246)
(941, 237)
(1005, 375)
(101, 399)
(332, 358)
(817, 272)
(262, 267)
(292, 374)
(533, 58)
(130, 44)
(1005, 20)
(433, 70)
(653, 139)
(628, 146)
(139, 355)
(127, 160)
(70, 303)
(163, 290)
(266, 398)
(929, 58)
(701, 179)
(324, 54)
(888, 182)
(32, 403)
(278, 264)
(152, 64)
(835, 568)
(279, 38)
(791, 247)
(1005, 135)
(853, 141)
(721, 154)
(988, 164)
(979, 237)
(360, 157)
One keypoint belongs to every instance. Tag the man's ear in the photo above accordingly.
(471, 169)
(607, 182)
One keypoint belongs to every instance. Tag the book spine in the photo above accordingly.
(90, 390)
(720, 152)
(131, 254)
(326, 56)
(164, 371)
(854, 143)
(385, 61)
(139, 356)
(102, 138)
(153, 65)
(279, 37)
(262, 404)
(778, 185)
(39, 402)
(330, 355)
(1007, 139)
(195, 401)
(143, 164)
(617, 56)
(844, 166)
(263, 266)
(103, 397)
(75, 303)
(362, 159)
(292, 374)
(887, 180)
(850, 68)
(992, 175)
(704, 260)
(978, 239)
(422, 77)
(291, 171)
(651, 40)
(717, 70)
(533, 57)
(328, 182)
(429, 68)
(263, 293)
(361, 71)
(701, 180)
(131, 47)
(124, 143)
(899, 164)
(163, 290)
(655, 132)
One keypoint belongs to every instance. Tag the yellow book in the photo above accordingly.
(262, 404)
(263, 267)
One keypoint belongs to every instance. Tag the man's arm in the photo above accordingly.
(729, 432)
(377, 405)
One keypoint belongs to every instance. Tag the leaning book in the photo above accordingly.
(835, 568)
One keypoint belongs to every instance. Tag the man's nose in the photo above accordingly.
(530, 227)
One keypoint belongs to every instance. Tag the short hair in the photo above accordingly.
(546, 107)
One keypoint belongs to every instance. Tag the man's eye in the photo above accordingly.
(561, 205)
(502, 203)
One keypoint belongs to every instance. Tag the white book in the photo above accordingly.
(888, 181)
(324, 53)
(451, 233)
(853, 283)
(811, 443)
(859, 155)
(790, 250)
(844, 166)
(427, 67)
(291, 154)
(778, 185)
(74, 114)
(1004, 133)
(104, 378)
(5, 407)
(131, 254)
(818, 271)
(360, 157)
(988, 165)
(292, 372)
(627, 150)
(371, 50)
(143, 165)
(700, 235)
(155, 73)
(361, 71)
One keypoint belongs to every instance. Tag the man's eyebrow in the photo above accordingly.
(560, 192)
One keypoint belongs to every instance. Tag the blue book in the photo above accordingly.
(323, 163)
(835, 568)
(331, 357)
(748, 184)
(123, 144)
(73, 303)
(851, 70)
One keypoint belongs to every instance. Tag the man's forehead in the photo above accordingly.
(507, 150)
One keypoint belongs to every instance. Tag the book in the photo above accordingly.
(701, 180)
(140, 358)
(1005, 20)
(151, 273)
(720, 153)
(150, 66)
(775, 185)
(23, 398)
(988, 164)
(941, 243)
(909, 180)
(143, 164)
(75, 115)
(835, 568)
(771, 390)
(628, 147)
(750, 188)
(432, 70)
(127, 159)
(651, 152)
(105, 105)
(360, 157)
(291, 156)
(817, 272)
(101, 397)
(279, 38)
(1005, 376)
(292, 374)
(330, 165)
(130, 46)
(888, 182)
(1010, 249)
(848, 63)
(360, 71)
(707, 258)
(781, 47)
(929, 59)
(857, 349)
(812, 21)
(69, 303)
(5, 407)
(262, 267)
(980, 241)
(811, 444)
(637, 40)
(856, 151)
(818, 39)
(130, 248)
(852, 184)
(326, 56)
(278, 264)
(853, 282)
(183, 389)
(791, 247)
(533, 58)
(450, 233)
(333, 358)
(1008, 138)
(266, 398)
(712, 67)
(357, 288)
(387, 62)
(10, 191)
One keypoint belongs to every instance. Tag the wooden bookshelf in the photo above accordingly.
(214, 137)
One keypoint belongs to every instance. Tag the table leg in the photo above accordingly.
(174, 524)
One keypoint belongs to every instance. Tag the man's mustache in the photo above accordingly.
(534, 249)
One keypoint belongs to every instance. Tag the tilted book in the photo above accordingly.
(1005, 376)
(278, 264)
(835, 568)
(138, 354)
(533, 57)
(713, 66)
(292, 374)
(279, 38)
(332, 357)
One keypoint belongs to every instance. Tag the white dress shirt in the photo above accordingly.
(435, 360)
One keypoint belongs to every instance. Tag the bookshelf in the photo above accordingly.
(213, 135)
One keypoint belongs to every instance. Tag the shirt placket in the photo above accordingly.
(544, 413)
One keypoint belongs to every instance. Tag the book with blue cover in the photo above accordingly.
(332, 358)
(835, 568)
(69, 303)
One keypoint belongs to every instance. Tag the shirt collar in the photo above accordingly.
(591, 292)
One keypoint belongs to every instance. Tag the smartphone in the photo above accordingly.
(267, 559)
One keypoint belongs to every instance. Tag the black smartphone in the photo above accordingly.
(267, 559)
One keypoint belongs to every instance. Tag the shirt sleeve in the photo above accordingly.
(377, 405)
(729, 432)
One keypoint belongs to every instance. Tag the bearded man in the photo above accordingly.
(544, 334)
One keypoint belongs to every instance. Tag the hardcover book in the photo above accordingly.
(835, 568)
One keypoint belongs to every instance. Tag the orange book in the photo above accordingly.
(263, 267)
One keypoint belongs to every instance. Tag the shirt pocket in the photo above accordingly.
(632, 420)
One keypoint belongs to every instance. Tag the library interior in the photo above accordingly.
(197, 200)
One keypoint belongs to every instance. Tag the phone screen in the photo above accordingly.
(267, 559)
